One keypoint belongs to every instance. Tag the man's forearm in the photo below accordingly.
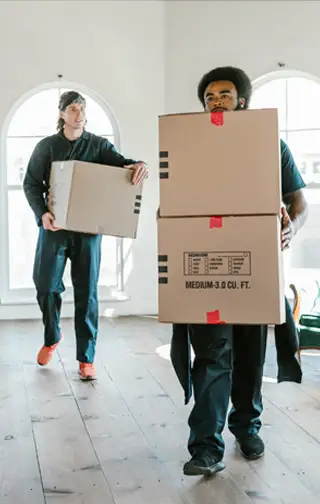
(297, 209)
(298, 217)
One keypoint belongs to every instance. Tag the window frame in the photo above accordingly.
(285, 74)
(312, 193)
(27, 295)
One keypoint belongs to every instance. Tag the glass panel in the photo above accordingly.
(23, 233)
(303, 104)
(22, 227)
(37, 116)
(272, 95)
(109, 266)
(305, 147)
(283, 135)
(127, 259)
(313, 196)
(19, 151)
(98, 121)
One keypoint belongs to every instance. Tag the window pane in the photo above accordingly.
(37, 116)
(305, 147)
(19, 151)
(98, 121)
(23, 233)
(303, 103)
(109, 266)
(312, 196)
(272, 95)
(283, 136)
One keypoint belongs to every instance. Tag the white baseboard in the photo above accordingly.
(32, 312)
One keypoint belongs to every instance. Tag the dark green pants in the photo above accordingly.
(249, 351)
(84, 252)
(228, 360)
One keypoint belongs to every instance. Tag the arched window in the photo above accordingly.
(33, 118)
(296, 95)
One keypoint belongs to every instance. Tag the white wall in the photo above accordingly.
(116, 49)
(252, 35)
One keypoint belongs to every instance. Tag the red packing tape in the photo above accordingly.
(215, 222)
(214, 317)
(217, 118)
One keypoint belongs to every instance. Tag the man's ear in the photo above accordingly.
(242, 102)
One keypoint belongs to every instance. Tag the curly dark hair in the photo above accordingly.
(238, 77)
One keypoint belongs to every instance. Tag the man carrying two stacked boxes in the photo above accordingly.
(229, 358)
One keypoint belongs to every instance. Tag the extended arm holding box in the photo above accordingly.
(34, 181)
(297, 209)
(110, 156)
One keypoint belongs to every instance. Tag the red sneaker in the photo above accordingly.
(46, 353)
(87, 371)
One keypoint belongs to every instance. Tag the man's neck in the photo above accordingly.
(72, 134)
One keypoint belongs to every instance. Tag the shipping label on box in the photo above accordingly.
(221, 163)
(220, 270)
(93, 198)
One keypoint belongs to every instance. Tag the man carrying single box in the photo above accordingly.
(229, 359)
(55, 246)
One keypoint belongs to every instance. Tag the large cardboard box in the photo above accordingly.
(221, 270)
(94, 198)
(222, 163)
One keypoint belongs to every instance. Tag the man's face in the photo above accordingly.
(222, 96)
(74, 116)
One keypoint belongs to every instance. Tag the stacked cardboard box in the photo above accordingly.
(219, 247)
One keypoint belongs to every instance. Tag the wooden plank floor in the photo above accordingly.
(122, 439)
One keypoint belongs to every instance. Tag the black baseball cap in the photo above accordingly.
(70, 97)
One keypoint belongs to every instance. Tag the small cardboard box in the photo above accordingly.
(220, 164)
(221, 270)
(94, 198)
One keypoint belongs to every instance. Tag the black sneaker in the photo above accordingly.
(203, 465)
(251, 446)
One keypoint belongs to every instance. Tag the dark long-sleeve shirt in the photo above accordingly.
(89, 147)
